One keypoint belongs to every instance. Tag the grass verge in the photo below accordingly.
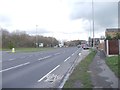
(80, 76)
(114, 62)
(29, 49)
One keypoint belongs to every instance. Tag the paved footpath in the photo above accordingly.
(101, 75)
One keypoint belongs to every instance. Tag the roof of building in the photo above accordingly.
(113, 30)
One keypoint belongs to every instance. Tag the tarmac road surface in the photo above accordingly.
(34, 69)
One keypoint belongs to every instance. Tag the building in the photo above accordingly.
(112, 32)
(96, 40)
(112, 42)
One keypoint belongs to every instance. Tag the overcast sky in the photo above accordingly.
(62, 19)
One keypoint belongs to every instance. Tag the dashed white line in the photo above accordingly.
(11, 59)
(67, 59)
(15, 67)
(56, 53)
(73, 54)
(45, 57)
(48, 73)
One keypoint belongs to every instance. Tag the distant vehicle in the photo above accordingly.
(85, 46)
(79, 46)
(61, 45)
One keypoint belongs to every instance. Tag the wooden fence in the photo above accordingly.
(112, 47)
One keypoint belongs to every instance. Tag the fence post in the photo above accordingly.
(107, 48)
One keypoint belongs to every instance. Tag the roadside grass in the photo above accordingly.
(80, 74)
(114, 62)
(28, 49)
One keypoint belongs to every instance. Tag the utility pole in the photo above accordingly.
(93, 23)
(36, 37)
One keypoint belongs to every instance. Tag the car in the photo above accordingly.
(79, 46)
(85, 46)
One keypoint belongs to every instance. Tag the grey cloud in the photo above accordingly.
(105, 13)
(72, 32)
(38, 31)
(5, 21)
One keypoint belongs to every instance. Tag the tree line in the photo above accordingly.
(20, 39)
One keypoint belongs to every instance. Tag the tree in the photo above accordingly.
(117, 36)
(108, 37)
(22, 39)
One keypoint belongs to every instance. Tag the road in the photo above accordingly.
(33, 69)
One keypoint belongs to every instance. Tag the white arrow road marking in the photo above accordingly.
(48, 73)
(15, 67)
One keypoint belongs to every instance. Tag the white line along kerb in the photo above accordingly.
(48, 73)
(14, 67)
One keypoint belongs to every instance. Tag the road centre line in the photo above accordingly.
(15, 67)
(56, 53)
(45, 57)
(67, 59)
(48, 73)
(11, 59)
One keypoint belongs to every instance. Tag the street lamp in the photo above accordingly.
(36, 37)
(93, 22)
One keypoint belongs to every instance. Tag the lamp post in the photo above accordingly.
(93, 22)
(36, 37)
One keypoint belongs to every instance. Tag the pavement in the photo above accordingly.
(80, 57)
(101, 75)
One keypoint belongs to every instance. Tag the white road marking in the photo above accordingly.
(67, 59)
(15, 67)
(56, 53)
(11, 59)
(73, 54)
(48, 73)
(79, 54)
(45, 57)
